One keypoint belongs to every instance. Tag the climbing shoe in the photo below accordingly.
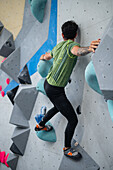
(46, 128)
(72, 153)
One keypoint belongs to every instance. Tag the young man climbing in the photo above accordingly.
(65, 56)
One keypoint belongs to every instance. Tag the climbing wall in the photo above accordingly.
(94, 131)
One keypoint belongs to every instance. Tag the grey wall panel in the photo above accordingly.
(28, 22)
(6, 43)
(25, 86)
(32, 42)
(6, 128)
(74, 90)
(28, 17)
(4, 36)
(3, 77)
(84, 14)
(103, 62)
(26, 100)
(12, 161)
(15, 150)
(12, 65)
(8, 47)
(22, 34)
(51, 156)
(93, 131)
(18, 118)
(20, 138)
(96, 126)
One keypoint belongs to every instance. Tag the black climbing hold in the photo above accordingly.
(8, 44)
(11, 94)
(15, 150)
(24, 77)
(1, 26)
(78, 110)
(69, 81)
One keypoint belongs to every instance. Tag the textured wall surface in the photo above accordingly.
(94, 131)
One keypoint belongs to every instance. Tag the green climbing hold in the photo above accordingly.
(47, 136)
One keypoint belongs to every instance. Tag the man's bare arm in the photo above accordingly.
(81, 51)
(46, 56)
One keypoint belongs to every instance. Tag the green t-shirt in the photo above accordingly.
(63, 64)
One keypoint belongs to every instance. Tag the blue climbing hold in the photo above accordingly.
(110, 108)
(47, 136)
(91, 79)
(29, 1)
(39, 117)
(38, 8)
(44, 67)
(40, 86)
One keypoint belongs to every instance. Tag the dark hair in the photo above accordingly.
(69, 29)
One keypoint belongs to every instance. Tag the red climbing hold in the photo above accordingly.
(7, 80)
(0, 88)
(3, 60)
(2, 93)
(2, 157)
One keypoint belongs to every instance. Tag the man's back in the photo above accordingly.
(64, 62)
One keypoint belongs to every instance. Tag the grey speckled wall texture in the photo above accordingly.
(95, 129)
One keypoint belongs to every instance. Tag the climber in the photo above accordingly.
(65, 56)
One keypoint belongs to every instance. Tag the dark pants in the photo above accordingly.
(61, 104)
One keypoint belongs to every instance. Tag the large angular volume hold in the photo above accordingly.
(20, 138)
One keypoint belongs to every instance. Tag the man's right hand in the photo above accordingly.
(81, 51)
(46, 56)
(93, 46)
(42, 57)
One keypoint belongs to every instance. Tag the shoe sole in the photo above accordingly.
(76, 158)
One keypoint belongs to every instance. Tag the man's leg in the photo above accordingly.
(48, 116)
(66, 109)
(61, 103)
